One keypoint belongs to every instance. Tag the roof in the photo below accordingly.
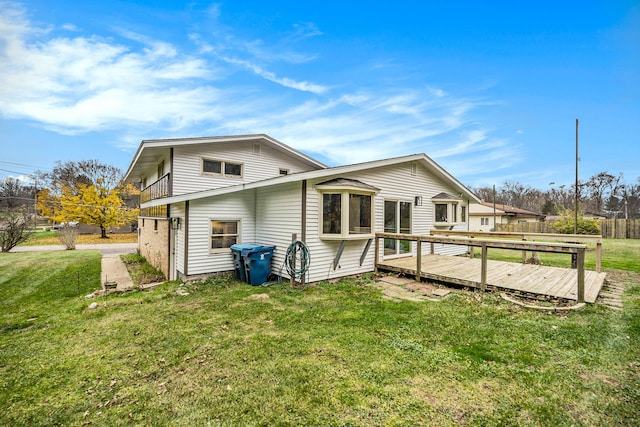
(333, 173)
(151, 151)
(346, 182)
(444, 196)
(507, 210)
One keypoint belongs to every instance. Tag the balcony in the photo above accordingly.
(159, 189)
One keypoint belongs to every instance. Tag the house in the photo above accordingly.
(481, 216)
(202, 195)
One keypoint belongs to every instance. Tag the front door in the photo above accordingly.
(397, 219)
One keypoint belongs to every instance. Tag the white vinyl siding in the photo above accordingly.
(278, 216)
(237, 206)
(267, 163)
(397, 182)
(270, 215)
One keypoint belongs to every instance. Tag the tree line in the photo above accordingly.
(603, 194)
(87, 192)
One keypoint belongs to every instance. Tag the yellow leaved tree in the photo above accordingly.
(94, 197)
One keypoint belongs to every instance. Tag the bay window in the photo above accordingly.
(446, 209)
(347, 209)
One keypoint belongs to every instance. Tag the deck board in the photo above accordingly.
(526, 278)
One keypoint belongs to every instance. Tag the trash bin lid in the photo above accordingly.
(242, 246)
(246, 248)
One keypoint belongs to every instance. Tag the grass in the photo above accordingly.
(140, 270)
(43, 238)
(337, 354)
(617, 254)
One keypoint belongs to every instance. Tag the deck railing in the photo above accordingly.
(567, 248)
(540, 237)
(159, 189)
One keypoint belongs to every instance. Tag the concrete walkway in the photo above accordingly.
(114, 270)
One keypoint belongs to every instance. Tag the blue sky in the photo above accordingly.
(489, 90)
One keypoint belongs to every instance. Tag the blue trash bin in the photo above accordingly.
(239, 252)
(257, 263)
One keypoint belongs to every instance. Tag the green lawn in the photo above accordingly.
(335, 354)
(43, 238)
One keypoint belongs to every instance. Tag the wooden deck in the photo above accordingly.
(505, 276)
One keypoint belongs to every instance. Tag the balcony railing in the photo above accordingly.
(159, 189)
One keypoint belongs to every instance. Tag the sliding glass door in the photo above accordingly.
(397, 219)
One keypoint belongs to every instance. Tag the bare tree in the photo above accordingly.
(12, 193)
(601, 185)
(15, 228)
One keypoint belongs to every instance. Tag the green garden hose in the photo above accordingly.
(297, 259)
(296, 262)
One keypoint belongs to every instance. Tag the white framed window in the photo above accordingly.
(222, 168)
(463, 214)
(445, 209)
(224, 233)
(347, 215)
(347, 209)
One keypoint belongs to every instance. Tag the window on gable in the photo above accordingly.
(219, 167)
(446, 209)
(234, 169)
(224, 234)
(211, 166)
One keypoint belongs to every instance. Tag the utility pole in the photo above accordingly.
(575, 224)
(495, 226)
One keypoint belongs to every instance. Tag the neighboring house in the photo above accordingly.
(481, 216)
(201, 195)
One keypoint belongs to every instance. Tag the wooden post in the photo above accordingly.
(524, 254)
(432, 247)
(472, 251)
(599, 257)
(483, 272)
(419, 262)
(377, 255)
(580, 267)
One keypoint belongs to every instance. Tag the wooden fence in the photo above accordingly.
(609, 228)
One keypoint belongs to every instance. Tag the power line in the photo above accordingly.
(20, 164)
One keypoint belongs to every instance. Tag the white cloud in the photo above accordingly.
(83, 84)
(284, 81)
(145, 88)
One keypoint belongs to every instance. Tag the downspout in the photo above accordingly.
(170, 232)
(303, 221)
(186, 239)
(303, 234)
(170, 172)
